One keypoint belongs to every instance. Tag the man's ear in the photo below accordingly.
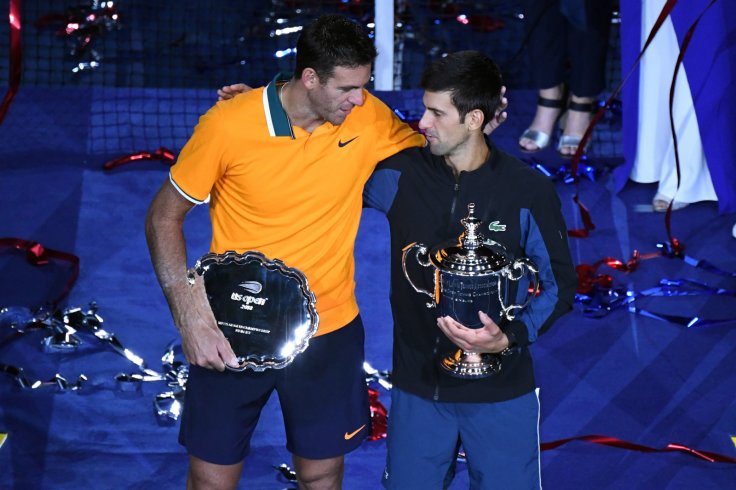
(474, 119)
(309, 78)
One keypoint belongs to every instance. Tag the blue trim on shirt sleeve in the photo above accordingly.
(541, 307)
(380, 190)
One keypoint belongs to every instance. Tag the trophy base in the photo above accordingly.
(469, 365)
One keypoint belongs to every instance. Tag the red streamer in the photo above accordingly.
(676, 246)
(163, 154)
(16, 56)
(584, 214)
(39, 255)
(615, 442)
(587, 221)
(379, 417)
(588, 277)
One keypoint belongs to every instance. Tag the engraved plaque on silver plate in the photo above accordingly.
(265, 308)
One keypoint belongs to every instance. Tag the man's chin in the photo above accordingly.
(339, 117)
(436, 149)
(337, 120)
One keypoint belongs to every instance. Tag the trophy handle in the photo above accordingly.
(518, 269)
(424, 262)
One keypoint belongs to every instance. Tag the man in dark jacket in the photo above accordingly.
(425, 193)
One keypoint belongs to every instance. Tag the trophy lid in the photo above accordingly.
(471, 254)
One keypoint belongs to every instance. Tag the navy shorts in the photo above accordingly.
(501, 442)
(323, 395)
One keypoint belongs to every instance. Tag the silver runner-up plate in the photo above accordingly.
(265, 309)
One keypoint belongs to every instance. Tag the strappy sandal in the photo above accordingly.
(540, 138)
(572, 141)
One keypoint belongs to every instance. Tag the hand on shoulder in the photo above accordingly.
(229, 91)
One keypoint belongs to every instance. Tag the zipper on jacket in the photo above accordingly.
(453, 205)
(456, 191)
(455, 194)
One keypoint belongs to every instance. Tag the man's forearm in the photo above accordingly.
(168, 256)
(202, 342)
(167, 249)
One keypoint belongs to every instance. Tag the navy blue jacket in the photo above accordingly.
(424, 203)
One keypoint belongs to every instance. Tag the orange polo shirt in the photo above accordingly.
(289, 194)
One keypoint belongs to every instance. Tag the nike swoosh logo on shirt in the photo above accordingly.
(352, 434)
(341, 144)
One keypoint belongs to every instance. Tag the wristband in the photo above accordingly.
(512, 344)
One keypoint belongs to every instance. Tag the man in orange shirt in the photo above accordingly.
(283, 168)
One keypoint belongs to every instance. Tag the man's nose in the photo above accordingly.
(424, 122)
(357, 97)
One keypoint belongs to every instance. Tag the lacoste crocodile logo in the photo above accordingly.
(253, 287)
(341, 144)
(496, 226)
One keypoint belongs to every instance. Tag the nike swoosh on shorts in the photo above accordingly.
(352, 434)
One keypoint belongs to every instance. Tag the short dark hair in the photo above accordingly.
(332, 41)
(472, 78)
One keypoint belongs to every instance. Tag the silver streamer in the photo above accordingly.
(373, 375)
(615, 298)
(63, 331)
(58, 382)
